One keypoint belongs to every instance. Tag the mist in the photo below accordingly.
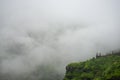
(52, 33)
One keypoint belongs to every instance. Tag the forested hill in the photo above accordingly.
(105, 67)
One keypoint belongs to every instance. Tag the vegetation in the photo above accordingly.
(105, 67)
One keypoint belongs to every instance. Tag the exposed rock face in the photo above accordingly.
(106, 67)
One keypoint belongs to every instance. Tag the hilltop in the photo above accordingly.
(106, 67)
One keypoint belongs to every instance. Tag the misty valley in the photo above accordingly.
(40, 73)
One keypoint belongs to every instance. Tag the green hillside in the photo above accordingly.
(100, 68)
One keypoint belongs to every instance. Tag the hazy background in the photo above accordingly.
(55, 32)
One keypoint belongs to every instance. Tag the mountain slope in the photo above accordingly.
(100, 68)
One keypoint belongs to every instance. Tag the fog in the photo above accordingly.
(35, 33)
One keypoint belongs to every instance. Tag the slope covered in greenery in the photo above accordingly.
(100, 68)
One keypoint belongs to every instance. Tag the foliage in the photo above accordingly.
(103, 68)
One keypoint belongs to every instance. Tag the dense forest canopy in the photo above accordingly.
(105, 67)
